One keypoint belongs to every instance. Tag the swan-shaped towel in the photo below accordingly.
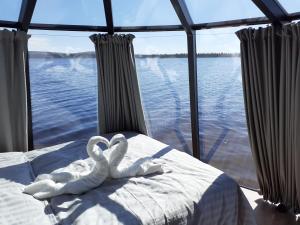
(117, 149)
(73, 182)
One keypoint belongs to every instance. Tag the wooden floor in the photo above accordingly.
(267, 214)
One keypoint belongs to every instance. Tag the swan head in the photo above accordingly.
(118, 138)
(95, 140)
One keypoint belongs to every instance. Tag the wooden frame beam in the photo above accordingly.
(193, 86)
(273, 10)
(24, 20)
(150, 28)
(187, 23)
(158, 28)
(65, 27)
(183, 15)
(232, 23)
(9, 24)
(109, 16)
(29, 105)
(294, 16)
(26, 13)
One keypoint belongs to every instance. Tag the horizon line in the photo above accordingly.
(142, 54)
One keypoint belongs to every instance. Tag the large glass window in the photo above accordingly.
(76, 12)
(291, 5)
(163, 77)
(10, 9)
(215, 10)
(143, 13)
(223, 128)
(63, 87)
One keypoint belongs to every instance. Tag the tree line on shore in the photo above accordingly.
(39, 54)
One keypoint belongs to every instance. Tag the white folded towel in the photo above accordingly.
(78, 177)
(70, 180)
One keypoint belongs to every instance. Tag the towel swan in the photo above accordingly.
(118, 147)
(73, 182)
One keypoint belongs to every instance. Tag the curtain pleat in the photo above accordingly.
(13, 100)
(120, 107)
(270, 70)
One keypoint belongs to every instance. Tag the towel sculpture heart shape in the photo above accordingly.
(72, 181)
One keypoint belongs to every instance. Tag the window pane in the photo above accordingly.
(291, 5)
(63, 87)
(223, 128)
(215, 10)
(10, 9)
(76, 12)
(143, 13)
(164, 87)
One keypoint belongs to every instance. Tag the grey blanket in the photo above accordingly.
(191, 192)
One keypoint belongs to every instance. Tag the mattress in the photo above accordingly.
(190, 192)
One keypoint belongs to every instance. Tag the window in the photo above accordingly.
(222, 122)
(63, 77)
(10, 9)
(76, 12)
(144, 13)
(205, 11)
(291, 5)
(163, 79)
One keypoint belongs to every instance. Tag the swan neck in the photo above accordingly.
(94, 151)
(118, 152)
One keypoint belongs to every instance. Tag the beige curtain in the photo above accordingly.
(271, 81)
(120, 107)
(13, 107)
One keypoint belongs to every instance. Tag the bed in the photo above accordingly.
(191, 192)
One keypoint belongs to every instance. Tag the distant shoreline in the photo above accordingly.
(37, 54)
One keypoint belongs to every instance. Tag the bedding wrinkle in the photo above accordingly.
(143, 206)
(128, 206)
(223, 219)
(181, 187)
(168, 210)
(15, 207)
(48, 209)
(151, 195)
(105, 201)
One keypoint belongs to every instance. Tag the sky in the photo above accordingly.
(135, 13)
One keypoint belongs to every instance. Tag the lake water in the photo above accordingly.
(64, 106)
